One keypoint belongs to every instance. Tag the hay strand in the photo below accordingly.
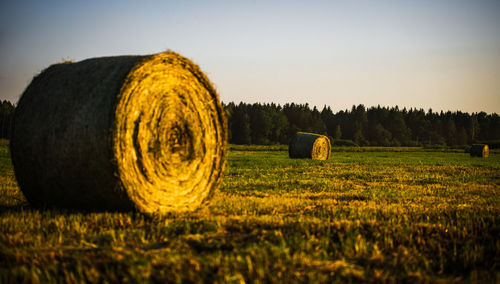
(310, 145)
(479, 150)
(144, 133)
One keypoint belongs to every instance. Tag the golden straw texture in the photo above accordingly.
(310, 145)
(145, 133)
(168, 135)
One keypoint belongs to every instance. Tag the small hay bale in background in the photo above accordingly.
(479, 150)
(310, 145)
(145, 133)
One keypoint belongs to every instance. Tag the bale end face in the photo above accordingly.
(170, 145)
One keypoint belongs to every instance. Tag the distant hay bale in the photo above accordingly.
(479, 150)
(145, 133)
(310, 145)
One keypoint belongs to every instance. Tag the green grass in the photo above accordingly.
(364, 215)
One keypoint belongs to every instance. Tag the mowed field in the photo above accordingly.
(366, 214)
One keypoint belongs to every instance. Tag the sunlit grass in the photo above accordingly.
(374, 215)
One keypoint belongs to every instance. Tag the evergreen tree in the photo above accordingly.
(6, 119)
(317, 124)
(338, 133)
(451, 133)
(359, 137)
(329, 120)
(240, 126)
(461, 136)
(494, 131)
(261, 125)
(280, 126)
(397, 126)
(474, 126)
(484, 125)
(383, 136)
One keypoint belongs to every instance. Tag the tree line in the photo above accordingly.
(376, 126)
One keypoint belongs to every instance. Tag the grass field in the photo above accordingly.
(367, 214)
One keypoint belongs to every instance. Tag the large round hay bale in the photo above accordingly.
(145, 133)
(479, 150)
(310, 145)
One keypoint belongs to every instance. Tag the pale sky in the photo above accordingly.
(439, 54)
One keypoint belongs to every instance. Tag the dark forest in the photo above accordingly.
(375, 126)
(265, 124)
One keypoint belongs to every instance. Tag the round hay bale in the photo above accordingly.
(479, 150)
(145, 133)
(310, 145)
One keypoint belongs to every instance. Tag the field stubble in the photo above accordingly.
(362, 215)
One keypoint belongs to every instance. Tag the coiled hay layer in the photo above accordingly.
(479, 150)
(310, 145)
(143, 133)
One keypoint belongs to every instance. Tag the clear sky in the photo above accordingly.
(439, 54)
